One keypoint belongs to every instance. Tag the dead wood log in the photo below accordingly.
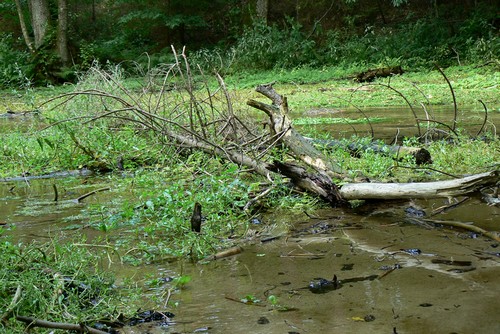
(449, 188)
(370, 75)
(318, 183)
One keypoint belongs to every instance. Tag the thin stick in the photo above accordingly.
(448, 207)
(11, 307)
(56, 194)
(80, 328)
(259, 196)
(455, 108)
(485, 118)
(81, 198)
(437, 122)
(404, 98)
(490, 234)
(242, 302)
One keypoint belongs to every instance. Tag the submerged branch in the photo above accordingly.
(469, 227)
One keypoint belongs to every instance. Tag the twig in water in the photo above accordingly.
(490, 234)
(81, 198)
(448, 207)
(485, 118)
(455, 108)
(242, 302)
(56, 195)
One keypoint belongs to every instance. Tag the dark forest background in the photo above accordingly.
(243, 35)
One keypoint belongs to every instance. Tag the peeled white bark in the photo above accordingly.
(435, 189)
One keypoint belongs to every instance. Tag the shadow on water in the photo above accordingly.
(393, 272)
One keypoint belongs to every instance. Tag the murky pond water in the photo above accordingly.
(390, 123)
(397, 274)
(450, 285)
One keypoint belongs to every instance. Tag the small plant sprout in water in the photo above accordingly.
(273, 300)
(250, 300)
(180, 282)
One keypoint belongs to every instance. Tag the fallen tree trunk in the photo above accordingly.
(281, 124)
(321, 182)
(449, 188)
(199, 123)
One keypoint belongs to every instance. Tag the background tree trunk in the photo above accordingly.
(62, 31)
(40, 20)
(24, 29)
(262, 9)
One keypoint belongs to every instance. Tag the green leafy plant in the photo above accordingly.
(264, 47)
(14, 64)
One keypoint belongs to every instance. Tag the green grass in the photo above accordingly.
(58, 282)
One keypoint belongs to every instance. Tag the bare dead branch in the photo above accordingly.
(455, 108)
(485, 118)
(404, 98)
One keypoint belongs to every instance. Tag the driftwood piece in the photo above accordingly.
(370, 75)
(469, 227)
(224, 253)
(422, 156)
(449, 188)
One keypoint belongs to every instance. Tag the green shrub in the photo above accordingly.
(264, 47)
(13, 64)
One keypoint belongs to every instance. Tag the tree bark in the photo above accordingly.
(262, 8)
(40, 20)
(282, 126)
(24, 29)
(62, 31)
